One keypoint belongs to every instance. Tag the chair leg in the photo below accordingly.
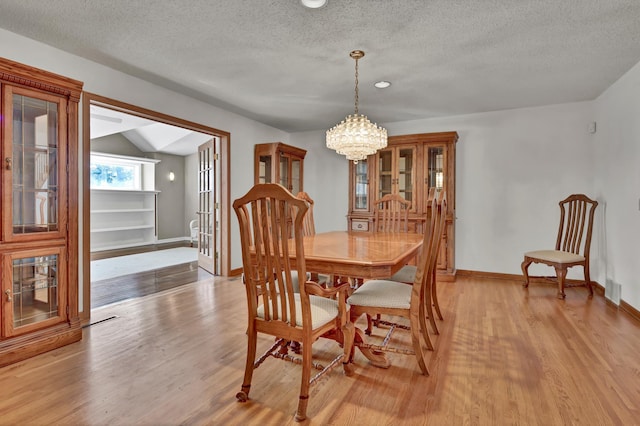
(434, 296)
(252, 341)
(429, 310)
(561, 273)
(587, 279)
(369, 328)
(301, 412)
(525, 266)
(423, 326)
(417, 343)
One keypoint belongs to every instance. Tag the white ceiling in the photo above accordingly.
(287, 66)
(146, 135)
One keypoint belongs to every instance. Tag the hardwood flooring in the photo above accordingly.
(505, 355)
(104, 292)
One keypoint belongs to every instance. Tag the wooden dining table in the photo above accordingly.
(360, 255)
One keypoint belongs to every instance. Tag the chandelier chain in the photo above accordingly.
(356, 98)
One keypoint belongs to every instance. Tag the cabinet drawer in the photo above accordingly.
(359, 225)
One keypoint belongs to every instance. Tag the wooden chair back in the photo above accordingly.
(391, 214)
(426, 268)
(308, 224)
(576, 212)
(264, 216)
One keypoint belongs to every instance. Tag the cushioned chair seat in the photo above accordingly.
(323, 310)
(555, 256)
(383, 294)
(405, 275)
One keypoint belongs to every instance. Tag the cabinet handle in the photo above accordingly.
(8, 293)
(7, 161)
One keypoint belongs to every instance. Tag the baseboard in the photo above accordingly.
(633, 312)
(160, 245)
(235, 272)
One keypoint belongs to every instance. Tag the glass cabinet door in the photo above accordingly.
(33, 291)
(406, 173)
(435, 168)
(361, 181)
(264, 169)
(295, 176)
(385, 173)
(34, 161)
(284, 172)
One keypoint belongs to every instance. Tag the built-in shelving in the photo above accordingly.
(125, 218)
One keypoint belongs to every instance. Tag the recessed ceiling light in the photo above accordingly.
(382, 84)
(314, 4)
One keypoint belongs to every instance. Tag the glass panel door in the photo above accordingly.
(264, 169)
(405, 173)
(295, 176)
(361, 169)
(34, 290)
(435, 165)
(385, 179)
(206, 204)
(34, 165)
(284, 172)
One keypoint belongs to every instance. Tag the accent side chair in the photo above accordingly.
(572, 244)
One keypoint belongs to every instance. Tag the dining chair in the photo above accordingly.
(267, 215)
(573, 242)
(391, 214)
(398, 299)
(408, 272)
(309, 229)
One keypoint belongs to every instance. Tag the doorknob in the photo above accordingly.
(7, 161)
(8, 293)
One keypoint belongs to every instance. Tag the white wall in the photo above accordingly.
(617, 165)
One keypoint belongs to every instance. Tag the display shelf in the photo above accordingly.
(125, 217)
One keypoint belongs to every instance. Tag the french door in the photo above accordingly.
(208, 213)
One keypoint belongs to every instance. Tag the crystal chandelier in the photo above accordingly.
(356, 137)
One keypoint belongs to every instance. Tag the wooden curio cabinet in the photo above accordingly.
(39, 209)
(410, 166)
(279, 163)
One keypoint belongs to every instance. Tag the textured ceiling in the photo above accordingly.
(287, 66)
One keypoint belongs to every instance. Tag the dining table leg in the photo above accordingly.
(376, 358)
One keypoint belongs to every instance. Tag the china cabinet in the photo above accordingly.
(39, 209)
(410, 166)
(276, 162)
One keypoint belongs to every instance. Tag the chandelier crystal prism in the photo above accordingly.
(356, 137)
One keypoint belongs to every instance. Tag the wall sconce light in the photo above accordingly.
(172, 177)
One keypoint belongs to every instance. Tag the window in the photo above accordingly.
(117, 173)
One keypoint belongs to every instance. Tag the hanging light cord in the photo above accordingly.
(356, 85)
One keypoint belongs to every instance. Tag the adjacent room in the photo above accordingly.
(320, 212)
(144, 206)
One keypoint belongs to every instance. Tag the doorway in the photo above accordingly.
(219, 138)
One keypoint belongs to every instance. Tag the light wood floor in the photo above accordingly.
(505, 356)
